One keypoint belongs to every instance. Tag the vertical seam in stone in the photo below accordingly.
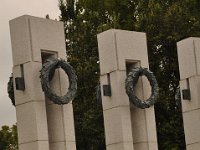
(147, 132)
(30, 38)
(142, 87)
(36, 118)
(116, 49)
(59, 74)
(195, 58)
(47, 119)
(146, 129)
(146, 43)
(63, 123)
(64, 127)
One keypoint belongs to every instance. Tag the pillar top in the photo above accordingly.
(30, 35)
(118, 46)
(189, 57)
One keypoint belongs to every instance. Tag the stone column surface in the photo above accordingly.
(41, 124)
(189, 67)
(126, 127)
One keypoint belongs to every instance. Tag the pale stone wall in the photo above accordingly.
(126, 127)
(189, 66)
(41, 124)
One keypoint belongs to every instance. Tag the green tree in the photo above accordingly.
(83, 20)
(8, 138)
(81, 25)
(165, 22)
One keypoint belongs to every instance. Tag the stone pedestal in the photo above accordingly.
(126, 127)
(189, 66)
(41, 124)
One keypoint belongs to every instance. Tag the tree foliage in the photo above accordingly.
(8, 138)
(81, 25)
(165, 22)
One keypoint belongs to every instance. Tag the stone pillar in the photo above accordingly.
(41, 124)
(189, 66)
(126, 127)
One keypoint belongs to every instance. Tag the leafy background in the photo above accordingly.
(165, 23)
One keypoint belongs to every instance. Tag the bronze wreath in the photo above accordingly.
(46, 74)
(130, 83)
(10, 90)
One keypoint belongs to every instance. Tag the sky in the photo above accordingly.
(10, 9)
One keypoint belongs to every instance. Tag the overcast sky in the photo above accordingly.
(10, 9)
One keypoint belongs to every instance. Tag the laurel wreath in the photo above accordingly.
(130, 83)
(10, 90)
(46, 74)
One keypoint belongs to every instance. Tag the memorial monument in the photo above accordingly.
(42, 124)
(189, 66)
(128, 126)
(38, 87)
